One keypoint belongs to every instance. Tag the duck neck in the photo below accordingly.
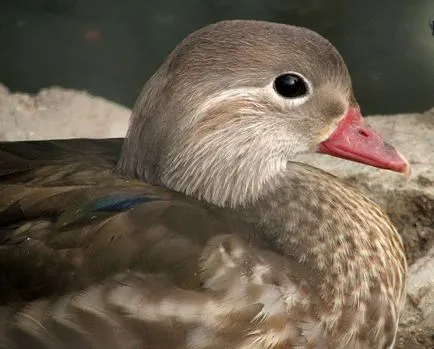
(342, 237)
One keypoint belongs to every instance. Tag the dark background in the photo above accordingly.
(110, 47)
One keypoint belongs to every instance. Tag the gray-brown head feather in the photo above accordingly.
(209, 123)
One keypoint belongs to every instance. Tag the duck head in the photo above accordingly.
(235, 102)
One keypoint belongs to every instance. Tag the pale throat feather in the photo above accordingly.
(233, 148)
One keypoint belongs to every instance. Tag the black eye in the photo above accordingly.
(290, 85)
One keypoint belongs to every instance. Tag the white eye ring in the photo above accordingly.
(291, 85)
(300, 94)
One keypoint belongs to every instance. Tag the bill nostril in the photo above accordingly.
(363, 133)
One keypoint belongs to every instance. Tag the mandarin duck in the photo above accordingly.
(199, 229)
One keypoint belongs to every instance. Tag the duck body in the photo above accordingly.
(159, 241)
(71, 227)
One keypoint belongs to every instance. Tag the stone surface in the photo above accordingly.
(61, 113)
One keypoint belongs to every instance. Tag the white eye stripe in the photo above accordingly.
(255, 94)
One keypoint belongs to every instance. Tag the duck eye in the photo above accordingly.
(290, 85)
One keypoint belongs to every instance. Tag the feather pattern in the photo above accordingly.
(92, 233)
(112, 256)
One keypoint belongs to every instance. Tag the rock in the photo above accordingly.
(420, 292)
(417, 323)
(61, 113)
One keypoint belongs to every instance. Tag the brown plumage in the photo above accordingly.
(205, 233)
